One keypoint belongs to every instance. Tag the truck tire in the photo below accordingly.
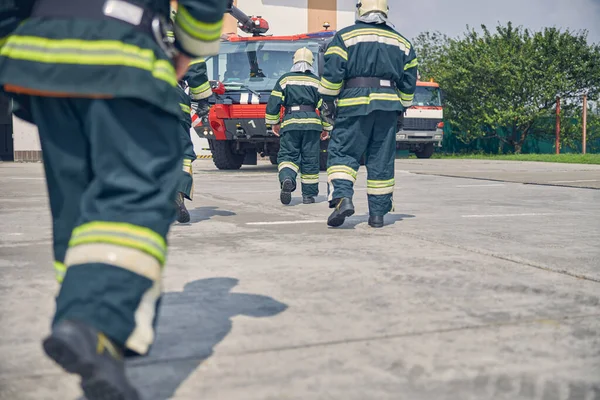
(426, 151)
(273, 159)
(224, 157)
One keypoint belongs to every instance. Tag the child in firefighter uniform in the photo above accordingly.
(371, 70)
(301, 128)
(100, 84)
(196, 82)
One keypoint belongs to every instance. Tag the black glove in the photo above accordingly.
(328, 112)
(202, 108)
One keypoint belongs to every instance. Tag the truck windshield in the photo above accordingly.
(427, 96)
(255, 65)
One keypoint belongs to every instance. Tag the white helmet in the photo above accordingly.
(304, 55)
(368, 6)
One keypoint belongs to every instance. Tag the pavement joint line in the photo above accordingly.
(500, 257)
(505, 181)
(505, 215)
(577, 181)
(400, 335)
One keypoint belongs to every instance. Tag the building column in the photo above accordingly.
(321, 11)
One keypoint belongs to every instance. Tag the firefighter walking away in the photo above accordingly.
(371, 70)
(99, 79)
(301, 128)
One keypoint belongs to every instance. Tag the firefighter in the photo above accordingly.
(185, 186)
(370, 71)
(101, 83)
(197, 84)
(301, 128)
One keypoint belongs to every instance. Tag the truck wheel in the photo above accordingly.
(273, 159)
(426, 151)
(224, 157)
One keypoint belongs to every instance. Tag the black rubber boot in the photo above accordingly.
(286, 191)
(343, 210)
(183, 215)
(308, 200)
(376, 221)
(82, 350)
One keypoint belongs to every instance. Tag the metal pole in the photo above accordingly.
(557, 144)
(584, 138)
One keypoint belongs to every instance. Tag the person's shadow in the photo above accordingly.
(199, 214)
(191, 323)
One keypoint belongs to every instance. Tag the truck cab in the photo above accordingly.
(243, 75)
(422, 128)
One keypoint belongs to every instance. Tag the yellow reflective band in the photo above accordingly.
(344, 176)
(187, 167)
(299, 81)
(337, 51)
(204, 31)
(404, 96)
(380, 184)
(202, 88)
(170, 34)
(121, 234)
(87, 52)
(310, 179)
(320, 103)
(298, 78)
(329, 85)
(342, 168)
(287, 164)
(295, 121)
(143, 335)
(3, 40)
(60, 270)
(412, 64)
(134, 260)
(358, 101)
(380, 191)
(271, 119)
(374, 31)
(185, 108)
(277, 94)
(197, 61)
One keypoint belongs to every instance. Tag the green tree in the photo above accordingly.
(499, 84)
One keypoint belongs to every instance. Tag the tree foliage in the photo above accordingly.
(501, 83)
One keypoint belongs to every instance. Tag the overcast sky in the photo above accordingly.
(451, 16)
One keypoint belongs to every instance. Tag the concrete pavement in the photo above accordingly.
(474, 290)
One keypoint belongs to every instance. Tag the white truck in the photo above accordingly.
(422, 128)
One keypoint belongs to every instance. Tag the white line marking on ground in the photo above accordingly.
(577, 181)
(486, 185)
(24, 178)
(313, 221)
(505, 215)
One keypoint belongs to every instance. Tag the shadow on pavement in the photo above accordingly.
(390, 219)
(191, 323)
(199, 214)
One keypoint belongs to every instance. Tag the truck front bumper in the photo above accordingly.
(418, 137)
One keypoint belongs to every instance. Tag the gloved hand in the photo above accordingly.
(328, 112)
(202, 108)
